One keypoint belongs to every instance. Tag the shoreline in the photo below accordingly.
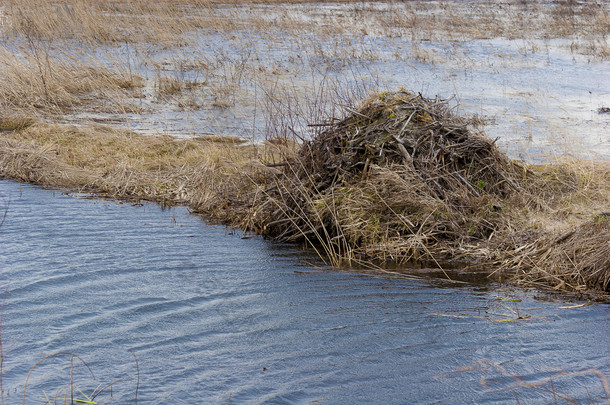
(525, 224)
(393, 179)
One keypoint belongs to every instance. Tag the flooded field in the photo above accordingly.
(211, 316)
(535, 75)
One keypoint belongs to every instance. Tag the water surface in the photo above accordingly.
(211, 315)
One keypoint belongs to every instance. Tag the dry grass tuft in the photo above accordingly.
(122, 164)
(36, 81)
(576, 260)
(16, 123)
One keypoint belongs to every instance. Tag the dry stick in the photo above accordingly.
(407, 157)
(461, 178)
(404, 127)
(328, 124)
(6, 205)
(72, 379)
(565, 236)
(356, 112)
(520, 383)
(96, 392)
(281, 221)
(138, 376)
(281, 164)
(297, 135)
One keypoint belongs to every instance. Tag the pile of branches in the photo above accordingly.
(406, 129)
(401, 178)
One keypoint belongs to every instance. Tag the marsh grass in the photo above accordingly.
(121, 164)
(329, 39)
(403, 180)
(168, 21)
(423, 205)
(95, 58)
(34, 83)
(399, 180)
(72, 385)
(65, 392)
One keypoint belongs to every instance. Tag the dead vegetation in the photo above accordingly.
(139, 59)
(167, 22)
(404, 180)
(400, 180)
(35, 82)
(122, 164)
(576, 260)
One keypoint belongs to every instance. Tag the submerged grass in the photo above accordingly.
(401, 179)
(66, 393)
(489, 379)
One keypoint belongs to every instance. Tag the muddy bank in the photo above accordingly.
(399, 180)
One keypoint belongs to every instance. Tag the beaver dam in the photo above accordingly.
(401, 180)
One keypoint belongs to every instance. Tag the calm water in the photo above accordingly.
(210, 315)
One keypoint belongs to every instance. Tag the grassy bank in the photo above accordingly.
(121, 164)
(400, 180)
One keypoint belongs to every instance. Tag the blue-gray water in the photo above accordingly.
(210, 315)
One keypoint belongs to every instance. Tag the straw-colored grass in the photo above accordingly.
(400, 180)
(35, 81)
(577, 260)
(441, 197)
(85, 55)
(203, 173)
(168, 21)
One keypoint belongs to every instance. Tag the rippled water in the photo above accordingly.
(211, 316)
